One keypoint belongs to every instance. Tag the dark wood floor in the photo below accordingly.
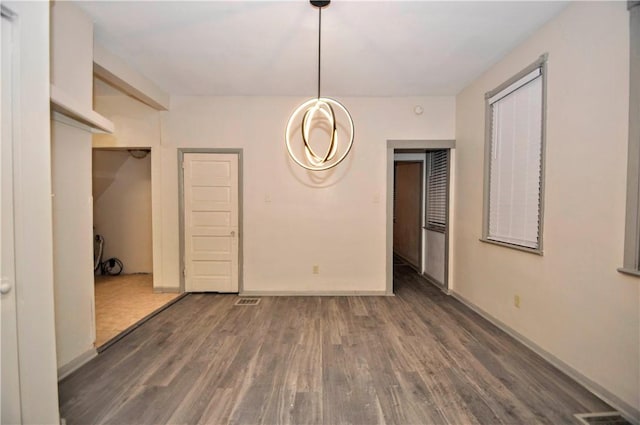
(417, 358)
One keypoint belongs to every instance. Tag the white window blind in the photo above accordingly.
(515, 162)
(437, 191)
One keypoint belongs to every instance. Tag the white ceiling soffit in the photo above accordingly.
(369, 48)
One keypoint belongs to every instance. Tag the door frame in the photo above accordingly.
(33, 227)
(233, 151)
(11, 408)
(436, 144)
(423, 170)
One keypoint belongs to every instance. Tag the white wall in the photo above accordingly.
(435, 255)
(122, 208)
(72, 241)
(574, 304)
(292, 219)
(71, 71)
(33, 226)
(72, 51)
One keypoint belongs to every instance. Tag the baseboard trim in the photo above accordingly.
(408, 262)
(75, 364)
(629, 412)
(315, 294)
(165, 290)
(432, 280)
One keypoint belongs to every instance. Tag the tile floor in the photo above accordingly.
(123, 300)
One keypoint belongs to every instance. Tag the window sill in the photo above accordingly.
(434, 229)
(516, 247)
(630, 272)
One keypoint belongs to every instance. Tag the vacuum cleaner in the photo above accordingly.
(111, 267)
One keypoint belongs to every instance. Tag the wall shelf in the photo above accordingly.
(65, 104)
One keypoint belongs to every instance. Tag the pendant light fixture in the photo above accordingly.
(319, 115)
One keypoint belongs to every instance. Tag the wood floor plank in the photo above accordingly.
(348, 395)
(420, 357)
(206, 388)
(307, 408)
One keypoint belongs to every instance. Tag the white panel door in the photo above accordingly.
(211, 222)
(10, 382)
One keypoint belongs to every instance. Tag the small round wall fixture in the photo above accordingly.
(327, 119)
(139, 153)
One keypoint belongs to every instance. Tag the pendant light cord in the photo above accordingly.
(319, 45)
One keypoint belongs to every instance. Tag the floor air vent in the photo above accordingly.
(603, 418)
(247, 301)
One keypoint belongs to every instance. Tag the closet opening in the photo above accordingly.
(123, 243)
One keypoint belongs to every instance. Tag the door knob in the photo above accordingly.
(5, 287)
(233, 233)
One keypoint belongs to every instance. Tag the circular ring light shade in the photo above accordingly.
(309, 115)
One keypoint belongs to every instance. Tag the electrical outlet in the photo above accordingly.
(516, 301)
(316, 269)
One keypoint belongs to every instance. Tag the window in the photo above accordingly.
(514, 161)
(437, 178)
(631, 262)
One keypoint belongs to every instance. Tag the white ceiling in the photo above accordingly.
(369, 48)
